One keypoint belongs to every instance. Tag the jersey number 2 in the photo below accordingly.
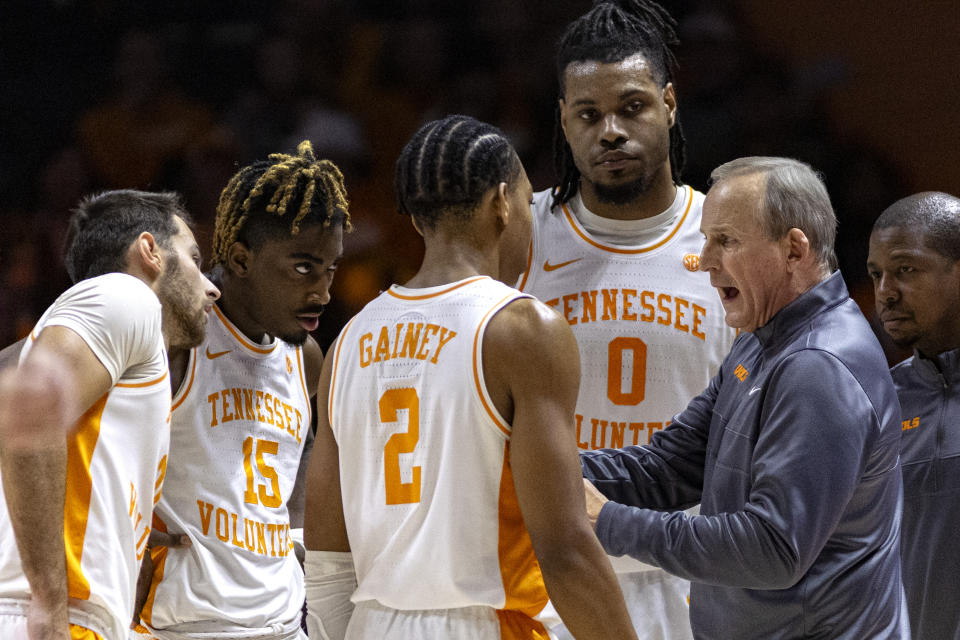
(638, 379)
(391, 403)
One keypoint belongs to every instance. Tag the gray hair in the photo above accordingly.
(795, 196)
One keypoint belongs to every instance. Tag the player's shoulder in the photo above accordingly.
(111, 288)
(116, 302)
(526, 320)
(526, 342)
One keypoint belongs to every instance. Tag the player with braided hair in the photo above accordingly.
(223, 564)
(448, 429)
(615, 250)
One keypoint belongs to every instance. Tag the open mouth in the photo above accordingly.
(309, 321)
(728, 294)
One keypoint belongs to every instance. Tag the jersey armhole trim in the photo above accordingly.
(145, 383)
(478, 379)
(336, 367)
(181, 396)
(301, 371)
(159, 557)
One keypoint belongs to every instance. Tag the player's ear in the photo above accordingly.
(670, 102)
(496, 204)
(416, 226)
(239, 257)
(145, 253)
(562, 114)
(503, 204)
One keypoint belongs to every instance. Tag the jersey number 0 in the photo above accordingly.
(633, 395)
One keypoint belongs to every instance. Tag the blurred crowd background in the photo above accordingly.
(177, 94)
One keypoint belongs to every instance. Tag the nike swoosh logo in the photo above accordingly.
(753, 391)
(217, 354)
(552, 267)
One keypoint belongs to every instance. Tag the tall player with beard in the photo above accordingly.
(242, 408)
(615, 251)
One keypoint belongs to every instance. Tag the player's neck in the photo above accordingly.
(236, 307)
(444, 263)
(652, 202)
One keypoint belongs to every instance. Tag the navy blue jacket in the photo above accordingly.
(929, 393)
(792, 452)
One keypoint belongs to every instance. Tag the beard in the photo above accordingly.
(184, 325)
(295, 339)
(622, 193)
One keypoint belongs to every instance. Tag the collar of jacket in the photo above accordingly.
(796, 315)
(940, 368)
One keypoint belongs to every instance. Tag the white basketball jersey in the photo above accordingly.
(650, 327)
(430, 507)
(116, 453)
(239, 423)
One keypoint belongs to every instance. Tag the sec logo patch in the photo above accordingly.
(691, 261)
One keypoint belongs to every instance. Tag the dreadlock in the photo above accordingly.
(448, 165)
(255, 203)
(611, 31)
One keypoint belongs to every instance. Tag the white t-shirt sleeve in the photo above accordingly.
(116, 314)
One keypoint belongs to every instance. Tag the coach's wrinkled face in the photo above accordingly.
(916, 290)
(748, 269)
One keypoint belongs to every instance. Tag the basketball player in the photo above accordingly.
(449, 431)
(616, 250)
(84, 418)
(914, 262)
(242, 408)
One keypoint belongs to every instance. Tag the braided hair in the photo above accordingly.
(274, 197)
(611, 31)
(448, 165)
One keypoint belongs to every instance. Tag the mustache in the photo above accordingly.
(318, 309)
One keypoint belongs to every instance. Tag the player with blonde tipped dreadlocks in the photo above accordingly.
(242, 410)
(615, 250)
